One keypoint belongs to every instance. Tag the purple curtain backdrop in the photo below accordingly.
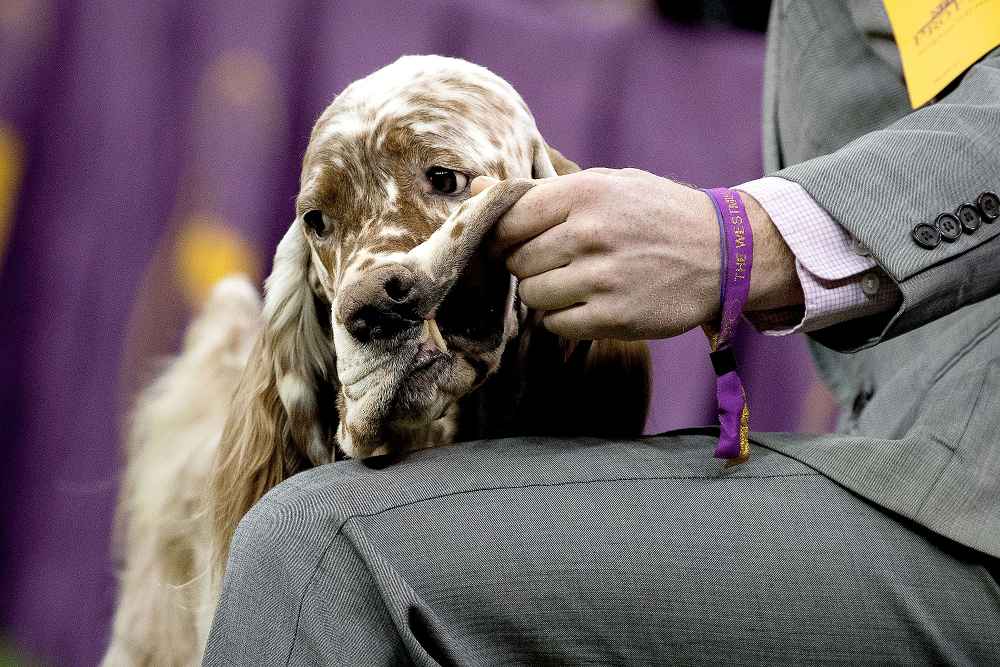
(148, 147)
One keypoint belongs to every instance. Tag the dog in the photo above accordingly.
(385, 328)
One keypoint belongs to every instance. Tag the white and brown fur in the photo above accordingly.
(463, 358)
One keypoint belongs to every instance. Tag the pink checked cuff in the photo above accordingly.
(839, 280)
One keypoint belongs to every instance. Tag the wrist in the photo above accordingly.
(774, 282)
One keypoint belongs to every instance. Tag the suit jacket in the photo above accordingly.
(919, 386)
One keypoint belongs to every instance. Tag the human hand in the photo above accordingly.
(625, 254)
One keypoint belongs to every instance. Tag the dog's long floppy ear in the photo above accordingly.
(599, 387)
(283, 416)
(579, 387)
(547, 161)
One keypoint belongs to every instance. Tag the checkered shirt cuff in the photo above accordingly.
(840, 281)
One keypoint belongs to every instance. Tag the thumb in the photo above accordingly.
(480, 183)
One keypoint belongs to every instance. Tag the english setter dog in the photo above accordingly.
(385, 328)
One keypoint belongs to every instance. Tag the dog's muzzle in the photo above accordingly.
(385, 301)
(392, 357)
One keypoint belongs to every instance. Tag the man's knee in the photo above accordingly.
(290, 525)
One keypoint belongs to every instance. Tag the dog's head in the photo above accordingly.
(382, 313)
(419, 317)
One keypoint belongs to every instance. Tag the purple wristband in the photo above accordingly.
(736, 240)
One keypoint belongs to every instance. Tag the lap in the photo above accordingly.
(536, 550)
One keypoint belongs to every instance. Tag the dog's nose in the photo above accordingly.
(381, 303)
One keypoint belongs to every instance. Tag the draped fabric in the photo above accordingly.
(148, 148)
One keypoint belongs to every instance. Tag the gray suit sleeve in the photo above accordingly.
(886, 181)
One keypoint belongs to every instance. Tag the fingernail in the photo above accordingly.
(480, 183)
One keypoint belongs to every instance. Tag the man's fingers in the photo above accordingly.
(553, 290)
(480, 183)
(577, 322)
(545, 205)
(551, 250)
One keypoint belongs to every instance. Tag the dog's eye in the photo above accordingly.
(446, 181)
(317, 222)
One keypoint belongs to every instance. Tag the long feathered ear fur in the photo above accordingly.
(283, 414)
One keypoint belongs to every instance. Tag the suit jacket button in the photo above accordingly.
(859, 248)
(949, 226)
(870, 283)
(989, 205)
(969, 215)
(926, 235)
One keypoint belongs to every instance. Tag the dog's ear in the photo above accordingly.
(547, 161)
(283, 415)
(580, 387)
(569, 387)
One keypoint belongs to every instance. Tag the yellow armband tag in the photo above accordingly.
(940, 39)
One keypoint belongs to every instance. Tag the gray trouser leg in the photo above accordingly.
(534, 551)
